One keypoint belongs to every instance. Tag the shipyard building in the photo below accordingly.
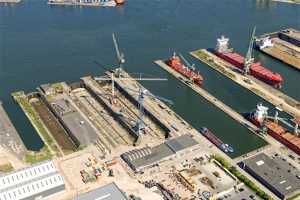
(40, 181)
(275, 173)
(107, 192)
(149, 157)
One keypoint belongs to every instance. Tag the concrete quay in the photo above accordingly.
(9, 137)
(210, 98)
(270, 94)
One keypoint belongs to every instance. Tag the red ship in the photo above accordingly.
(186, 70)
(255, 69)
(259, 118)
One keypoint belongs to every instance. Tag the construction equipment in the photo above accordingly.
(139, 125)
(249, 60)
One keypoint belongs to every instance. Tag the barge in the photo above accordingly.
(226, 148)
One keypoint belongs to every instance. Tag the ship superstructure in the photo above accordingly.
(271, 124)
(248, 65)
(187, 70)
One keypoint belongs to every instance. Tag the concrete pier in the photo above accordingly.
(270, 94)
(9, 137)
(210, 98)
(286, 46)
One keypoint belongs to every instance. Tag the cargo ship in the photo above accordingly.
(216, 141)
(187, 70)
(260, 118)
(223, 51)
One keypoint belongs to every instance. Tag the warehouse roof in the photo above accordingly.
(181, 142)
(149, 156)
(39, 180)
(107, 192)
(280, 175)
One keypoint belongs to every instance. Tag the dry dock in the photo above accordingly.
(272, 95)
(286, 46)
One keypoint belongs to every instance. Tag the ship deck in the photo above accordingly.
(283, 50)
(270, 94)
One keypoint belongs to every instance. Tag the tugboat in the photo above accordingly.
(187, 70)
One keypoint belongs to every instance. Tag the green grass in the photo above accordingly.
(35, 119)
(57, 86)
(35, 157)
(205, 58)
(6, 168)
(259, 192)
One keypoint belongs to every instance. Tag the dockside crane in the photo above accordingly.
(285, 121)
(116, 74)
(120, 55)
(190, 66)
(249, 58)
(140, 125)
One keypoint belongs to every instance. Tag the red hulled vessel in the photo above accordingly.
(188, 71)
(223, 51)
(259, 118)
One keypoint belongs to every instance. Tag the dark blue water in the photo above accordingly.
(41, 43)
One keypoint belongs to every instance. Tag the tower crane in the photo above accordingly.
(249, 59)
(139, 125)
(116, 74)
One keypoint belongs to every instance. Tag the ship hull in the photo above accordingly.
(196, 78)
(279, 133)
(256, 69)
(214, 139)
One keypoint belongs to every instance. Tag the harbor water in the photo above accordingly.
(41, 43)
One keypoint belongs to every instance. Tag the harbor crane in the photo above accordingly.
(285, 121)
(120, 55)
(116, 74)
(140, 125)
(190, 66)
(249, 58)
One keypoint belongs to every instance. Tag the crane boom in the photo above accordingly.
(249, 59)
(184, 60)
(116, 46)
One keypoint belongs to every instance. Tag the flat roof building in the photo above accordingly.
(35, 182)
(279, 177)
(107, 192)
(147, 157)
(81, 132)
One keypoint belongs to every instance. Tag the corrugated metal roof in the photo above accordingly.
(181, 142)
(107, 192)
(30, 181)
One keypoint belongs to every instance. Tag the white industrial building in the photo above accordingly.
(36, 182)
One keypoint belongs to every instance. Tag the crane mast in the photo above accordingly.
(249, 59)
